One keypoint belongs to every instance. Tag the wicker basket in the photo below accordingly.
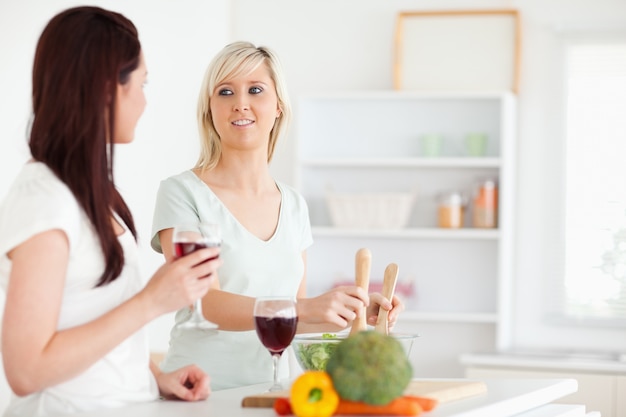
(370, 210)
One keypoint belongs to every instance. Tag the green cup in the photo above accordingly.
(476, 144)
(431, 144)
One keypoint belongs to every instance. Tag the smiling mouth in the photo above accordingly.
(244, 122)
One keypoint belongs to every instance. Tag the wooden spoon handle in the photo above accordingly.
(389, 287)
(363, 264)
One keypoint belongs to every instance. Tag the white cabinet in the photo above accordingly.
(620, 397)
(369, 142)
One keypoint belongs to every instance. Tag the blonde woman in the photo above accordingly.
(242, 111)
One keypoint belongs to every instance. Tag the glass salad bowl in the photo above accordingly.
(313, 350)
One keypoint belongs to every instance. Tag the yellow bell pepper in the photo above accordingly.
(313, 395)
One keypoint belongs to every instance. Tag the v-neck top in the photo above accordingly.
(251, 267)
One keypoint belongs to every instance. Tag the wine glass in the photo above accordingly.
(275, 319)
(188, 238)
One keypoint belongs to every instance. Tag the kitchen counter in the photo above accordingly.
(504, 397)
(601, 377)
(609, 363)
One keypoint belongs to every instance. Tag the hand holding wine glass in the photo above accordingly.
(276, 320)
(188, 238)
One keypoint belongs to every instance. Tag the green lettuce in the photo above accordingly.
(314, 356)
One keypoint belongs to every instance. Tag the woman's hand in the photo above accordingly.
(189, 384)
(180, 282)
(338, 307)
(377, 301)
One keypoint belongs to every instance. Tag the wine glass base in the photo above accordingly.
(276, 387)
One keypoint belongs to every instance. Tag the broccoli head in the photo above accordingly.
(370, 367)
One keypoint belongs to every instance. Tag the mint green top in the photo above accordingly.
(251, 267)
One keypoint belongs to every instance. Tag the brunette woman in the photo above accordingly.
(72, 337)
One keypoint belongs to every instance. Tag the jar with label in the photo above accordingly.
(485, 205)
(451, 210)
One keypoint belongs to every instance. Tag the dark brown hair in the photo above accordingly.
(82, 55)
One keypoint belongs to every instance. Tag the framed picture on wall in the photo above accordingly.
(471, 50)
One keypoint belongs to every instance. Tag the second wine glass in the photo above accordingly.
(276, 320)
(188, 238)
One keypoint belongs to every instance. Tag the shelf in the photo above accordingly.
(417, 316)
(417, 162)
(409, 233)
(410, 95)
(462, 277)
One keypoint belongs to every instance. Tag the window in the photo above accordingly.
(593, 289)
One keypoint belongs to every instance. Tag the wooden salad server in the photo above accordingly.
(389, 287)
(363, 265)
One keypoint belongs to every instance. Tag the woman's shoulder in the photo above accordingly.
(37, 183)
(184, 177)
(185, 181)
(37, 201)
(291, 195)
(288, 190)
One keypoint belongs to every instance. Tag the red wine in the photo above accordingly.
(276, 333)
(185, 248)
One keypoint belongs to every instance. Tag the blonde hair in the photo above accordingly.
(237, 59)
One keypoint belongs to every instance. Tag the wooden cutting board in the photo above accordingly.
(441, 390)
(445, 390)
(264, 400)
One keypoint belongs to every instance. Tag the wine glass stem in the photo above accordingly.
(197, 310)
(275, 358)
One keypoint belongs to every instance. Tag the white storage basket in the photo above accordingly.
(370, 210)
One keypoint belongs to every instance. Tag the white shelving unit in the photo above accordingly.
(369, 142)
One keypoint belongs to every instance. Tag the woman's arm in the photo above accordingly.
(35, 354)
(232, 312)
(331, 311)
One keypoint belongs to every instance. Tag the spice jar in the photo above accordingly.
(485, 207)
(451, 210)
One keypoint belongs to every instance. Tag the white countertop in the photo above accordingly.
(505, 397)
(583, 362)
